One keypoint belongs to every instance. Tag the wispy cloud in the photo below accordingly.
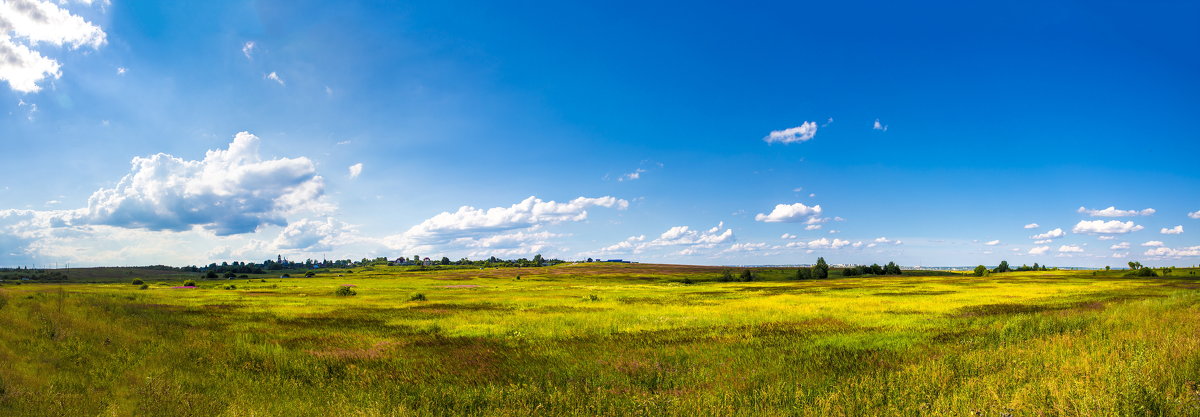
(1112, 211)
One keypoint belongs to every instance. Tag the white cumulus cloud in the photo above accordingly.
(1040, 250)
(1177, 230)
(1053, 234)
(1174, 253)
(1194, 214)
(789, 213)
(1119, 246)
(1153, 243)
(471, 222)
(230, 191)
(800, 133)
(1032, 226)
(1070, 249)
(355, 170)
(1111, 227)
(24, 25)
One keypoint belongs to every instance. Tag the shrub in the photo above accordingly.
(980, 270)
(804, 273)
(285, 276)
(137, 281)
(686, 281)
(417, 297)
(189, 283)
(211, 275)
(344, 291)
(726, 276)
(144, 287)
(309, 274)
(231, 287)
(746, 275)
(591, 297)
(1142, 272)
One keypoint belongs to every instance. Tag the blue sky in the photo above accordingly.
(661, 132)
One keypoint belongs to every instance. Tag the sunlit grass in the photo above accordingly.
(611, 339)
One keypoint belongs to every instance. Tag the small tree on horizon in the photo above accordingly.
(980, 270)
(821, 269)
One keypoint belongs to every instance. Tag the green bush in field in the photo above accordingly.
(137, 281)
(231, 287)
(591, 297)
(344, 291)
(189, 283)
(726, 276)
(746, 275)
(804, 273)
(1142, 272)
(417, 297)
(144, 287)
(981, 271)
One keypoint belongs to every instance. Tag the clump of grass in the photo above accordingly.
(189, 283)
(344, 291)
(231, 287)
(417, 297)
(137, 281)
(591, 297)
(144, 287)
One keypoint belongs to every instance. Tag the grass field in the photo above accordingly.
(606, 339)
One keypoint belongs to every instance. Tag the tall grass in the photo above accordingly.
(561, 343)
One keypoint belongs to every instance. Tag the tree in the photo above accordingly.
(537, 260)
(804, 273)
(445, 261)
(1106, 267)
(1003, 267)
(892, 269)
(726, 276)
(980, 270)
(746, 275)
(589, 259)
(876, 269)
(821, 269)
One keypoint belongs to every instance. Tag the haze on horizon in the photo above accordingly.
(949, 134)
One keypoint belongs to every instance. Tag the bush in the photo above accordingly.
(591, 297)
(1142, 272)
(308, 274)
(344, 291)
(137, 281)
(231, 287)
(211, 275)
(417, 297)
(804, 273)
(189, 283)
(726, 276)
(686, 281)
(285, 276)
(144, 287)
(746, 275)
(981, 271)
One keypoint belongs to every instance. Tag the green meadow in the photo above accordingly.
(605, 339)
